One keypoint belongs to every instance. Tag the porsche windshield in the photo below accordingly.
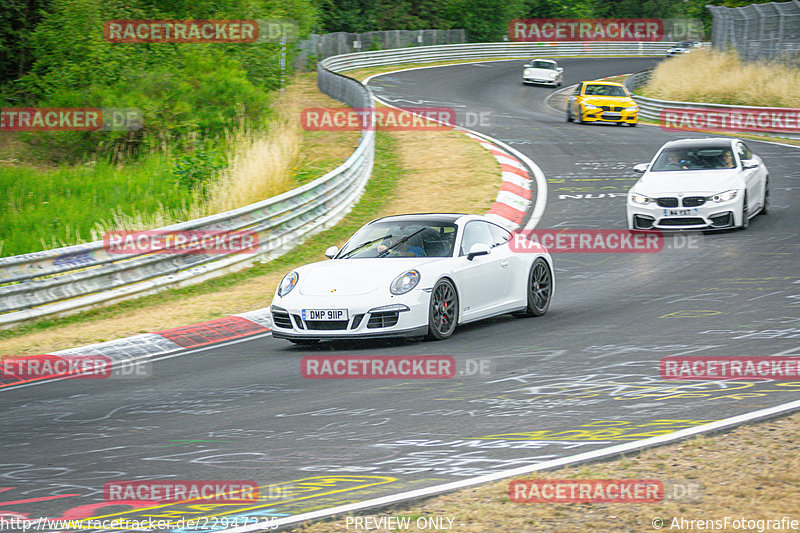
(401, 239)
(700, 158)
(543, 64)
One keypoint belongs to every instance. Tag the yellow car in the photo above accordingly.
(602, 101)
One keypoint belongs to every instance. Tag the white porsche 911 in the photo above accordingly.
(412, 276)
(696, 184)
(543, 71)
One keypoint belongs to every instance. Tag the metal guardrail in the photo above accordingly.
(77, 277)
(505, 50)
(650, 108)
(69, 279)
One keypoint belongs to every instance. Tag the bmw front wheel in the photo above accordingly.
(745, 219)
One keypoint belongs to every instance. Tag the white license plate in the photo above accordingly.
(612, 115)
(679, 212)
(325, 314)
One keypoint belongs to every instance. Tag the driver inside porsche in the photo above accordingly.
(409, 248)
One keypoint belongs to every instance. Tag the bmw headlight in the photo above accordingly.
(632, 108)
(724, 196)
(404, 282)
(590, 106)
(287, 283)
(640, 199)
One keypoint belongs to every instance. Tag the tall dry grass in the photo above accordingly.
(260, 165)
(721, 77)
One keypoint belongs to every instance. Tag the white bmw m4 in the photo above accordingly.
(699, 184)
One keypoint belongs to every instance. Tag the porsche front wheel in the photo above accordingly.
(442, 311)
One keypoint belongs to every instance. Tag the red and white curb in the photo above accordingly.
(514, 198)
(175, 340)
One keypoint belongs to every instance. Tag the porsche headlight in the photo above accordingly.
(528, 72)
(640, 199)
(404, 282)
(723, 196)
(554, 75)
(287, 283)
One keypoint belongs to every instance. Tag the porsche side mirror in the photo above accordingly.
(641, 168)
(747, 165)
(560, 69)
(478, 249)
(331, 252)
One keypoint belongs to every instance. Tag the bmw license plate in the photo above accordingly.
(325, 314)
(679, 212)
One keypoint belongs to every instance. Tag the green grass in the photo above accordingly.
(46, 208)
(378, 192)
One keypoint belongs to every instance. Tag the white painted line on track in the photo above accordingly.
(544, 465)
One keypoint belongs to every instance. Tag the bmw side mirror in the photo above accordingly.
(641, 168)
(478, 249)
(331, 252)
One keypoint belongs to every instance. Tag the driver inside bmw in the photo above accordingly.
(674, 162)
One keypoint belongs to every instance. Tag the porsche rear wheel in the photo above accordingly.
(540, 289)
(765, 207)
(442, 311)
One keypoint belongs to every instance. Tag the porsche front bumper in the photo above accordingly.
(397, 316)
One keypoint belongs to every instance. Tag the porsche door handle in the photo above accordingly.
(504, 264)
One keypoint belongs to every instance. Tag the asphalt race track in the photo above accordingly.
(581, 378)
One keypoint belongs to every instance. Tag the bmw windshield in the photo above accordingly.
(703, 158)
